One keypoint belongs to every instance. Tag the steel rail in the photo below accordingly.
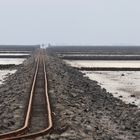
(20, 133)
(26, 122)
(50, 123)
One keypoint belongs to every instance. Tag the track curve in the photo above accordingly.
(38, 120)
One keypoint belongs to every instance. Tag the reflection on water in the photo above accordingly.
(103, 63)
(6, 61)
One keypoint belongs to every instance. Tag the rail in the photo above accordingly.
(21, 133)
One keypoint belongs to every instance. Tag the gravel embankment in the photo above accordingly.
(84, 111)
(81, 109)
(14, 93)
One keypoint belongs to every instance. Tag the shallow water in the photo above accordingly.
(6, 61)
(3, 74)
(119, 83)
(103, 63)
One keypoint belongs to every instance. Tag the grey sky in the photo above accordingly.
(113, 22)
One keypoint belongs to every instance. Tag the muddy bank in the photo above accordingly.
(82, 110)
(14, 94)
(9, 66)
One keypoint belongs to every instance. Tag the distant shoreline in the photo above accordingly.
(106, 69)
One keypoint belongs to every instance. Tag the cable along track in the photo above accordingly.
(38, 120)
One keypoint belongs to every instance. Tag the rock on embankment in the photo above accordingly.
(82, 110)
(13, 96)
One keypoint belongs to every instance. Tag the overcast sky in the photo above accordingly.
(104, 22)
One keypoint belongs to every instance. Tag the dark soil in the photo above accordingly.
(9, 66)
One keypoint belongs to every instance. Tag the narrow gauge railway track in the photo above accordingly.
(38, 120)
